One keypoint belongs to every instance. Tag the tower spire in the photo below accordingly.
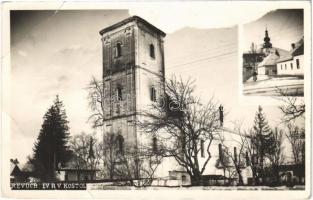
(267, 39)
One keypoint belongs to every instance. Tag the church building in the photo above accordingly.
(133, 79)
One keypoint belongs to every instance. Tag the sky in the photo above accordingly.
(58, 53)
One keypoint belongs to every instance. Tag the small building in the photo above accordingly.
(293, 62)
(251, 59)
(293, 174)
(74, 174)
(77, 169)
(268, 65)
(17, 175)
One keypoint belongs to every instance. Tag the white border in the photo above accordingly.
(141, 194)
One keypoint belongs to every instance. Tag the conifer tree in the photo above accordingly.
(261, 139)
(51, 149)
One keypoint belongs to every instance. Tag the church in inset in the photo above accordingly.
(278, 61)
(272, 55)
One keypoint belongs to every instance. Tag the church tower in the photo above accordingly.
(267, 45)
(133, 75)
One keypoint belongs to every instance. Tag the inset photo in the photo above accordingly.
(273, 54)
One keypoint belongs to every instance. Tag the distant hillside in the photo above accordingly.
(284, 25)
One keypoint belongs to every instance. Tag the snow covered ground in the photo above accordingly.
(93, 186)
(266, 85)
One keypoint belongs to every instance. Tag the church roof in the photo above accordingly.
(131, 19)
(273, 56)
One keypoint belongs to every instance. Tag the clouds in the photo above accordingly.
(53, 54)
(198, 14)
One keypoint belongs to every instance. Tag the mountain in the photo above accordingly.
(285, 26)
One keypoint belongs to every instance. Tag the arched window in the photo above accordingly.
(152, 94)
(291, 66)
(120, 144)
(118, 50)
(298, 63)
(154, 144)
(119, 93)
(152, 53)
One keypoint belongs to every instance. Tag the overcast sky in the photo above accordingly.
(58, 52)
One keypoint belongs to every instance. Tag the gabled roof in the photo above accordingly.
(274, 55)
(297, 50)
(285, 58)
(130, 19)
(75, 163)
(16, 171)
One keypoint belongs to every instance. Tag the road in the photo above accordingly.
(290, 90)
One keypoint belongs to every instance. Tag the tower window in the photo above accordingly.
(291, 66)
(120, 143)
(285, 66)
(247, 159)
(154, 144)
(152, 94)
(202, 148)
(152, 53)
(281, 67)
(298, 63)
(118, 50)
(119, 93)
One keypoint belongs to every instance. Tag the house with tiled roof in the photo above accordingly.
(78, 168)
(16, 174)
(292, 63)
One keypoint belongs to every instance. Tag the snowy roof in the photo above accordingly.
(274, 55)
(297, 50)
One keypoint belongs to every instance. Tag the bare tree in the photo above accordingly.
(225, 163)
(96, 103)
(276, 155)
(293, 107)
(235, 156)
(136, 164)
(296, 138)
(86, 151)
(188, 124)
